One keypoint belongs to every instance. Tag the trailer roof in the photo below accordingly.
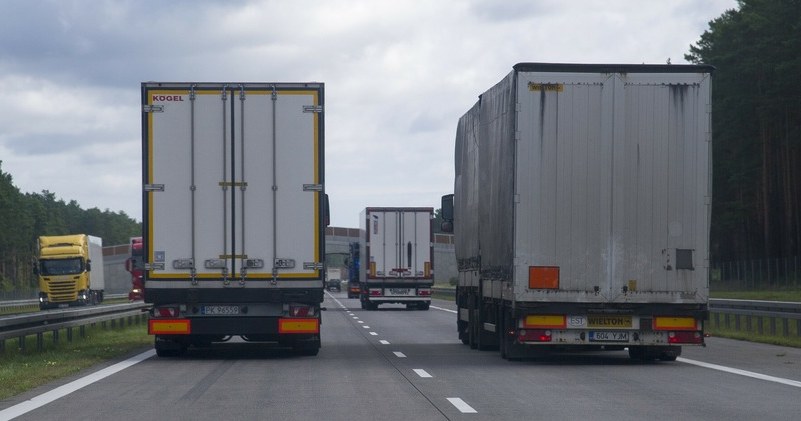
(613, 68)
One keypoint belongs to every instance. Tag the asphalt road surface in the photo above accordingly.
(398, 364)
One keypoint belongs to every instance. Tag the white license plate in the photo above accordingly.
(401, 291)
(219, 310)
(609, 336)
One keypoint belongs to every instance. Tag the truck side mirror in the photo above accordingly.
(447, 213)
(128, 264)
(88, 265)
(36, 268)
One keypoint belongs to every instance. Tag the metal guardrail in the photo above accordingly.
(22, 325)
(33, 302)
(744, 314)
(747, 315)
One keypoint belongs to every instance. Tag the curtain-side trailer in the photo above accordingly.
(581, 210)
(234, 213)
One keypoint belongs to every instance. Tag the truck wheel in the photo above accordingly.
(461, 329)
(168, 348)
(424, 306)
(472, 329)
(306, 351)
(643, 353)
(670, 354)
(307, 348)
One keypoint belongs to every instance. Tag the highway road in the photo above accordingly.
(394, 364)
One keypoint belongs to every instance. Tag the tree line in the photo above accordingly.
(756, 129)
(26, 216)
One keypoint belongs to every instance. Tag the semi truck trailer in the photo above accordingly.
(398, 252)
(581, 210)
(70, 270)
(234, 213)
(134, 265)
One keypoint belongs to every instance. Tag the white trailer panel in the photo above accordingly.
(613, 185)
(398, 243)
(234, 179)
(97, 278)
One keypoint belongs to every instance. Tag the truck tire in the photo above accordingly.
(461, 330)
(168, 348)
(670, 354)
(306, 348)
(424, 306)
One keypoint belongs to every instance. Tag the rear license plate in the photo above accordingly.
(400, 291)
(219, 310)
(609, 336)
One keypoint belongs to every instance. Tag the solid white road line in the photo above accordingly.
(787, 382)
(422, 373)
(61, 391)
(399, 354)
(462, 406)
(444, 309)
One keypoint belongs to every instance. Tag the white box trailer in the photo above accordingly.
(97, 277)
(234, 212)
(581, 211)
(397, 245)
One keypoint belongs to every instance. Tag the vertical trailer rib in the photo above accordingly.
(243, 183)
(192, 186)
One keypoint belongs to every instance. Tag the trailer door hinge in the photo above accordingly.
(152, 108)
(312, 108)
(154, 266)
(312, 187)
(154, 187)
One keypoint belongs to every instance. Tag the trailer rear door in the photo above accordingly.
(233, 180)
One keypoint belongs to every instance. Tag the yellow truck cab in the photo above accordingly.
(69, 270)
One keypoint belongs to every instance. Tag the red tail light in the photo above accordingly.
(165, 312)
(425, 292)
(299, 311)
(534, 335)
(376, 292)
(685, 337)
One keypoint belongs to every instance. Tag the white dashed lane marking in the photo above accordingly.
(422, 373)
(462, 406)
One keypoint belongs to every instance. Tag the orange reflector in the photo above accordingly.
(674, 323)
(543, 321)
(298, 325)
(543, 277)
(427, 269)
(169, 327)
(372, 268)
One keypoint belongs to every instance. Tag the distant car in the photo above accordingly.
(334, 285)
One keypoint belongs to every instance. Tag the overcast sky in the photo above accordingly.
(398, 75)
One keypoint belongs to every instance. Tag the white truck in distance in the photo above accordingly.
(398, 266)
(234, 213)
(581, 210)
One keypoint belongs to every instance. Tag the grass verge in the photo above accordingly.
(22, 370)
(784, 336)
(792, 296)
